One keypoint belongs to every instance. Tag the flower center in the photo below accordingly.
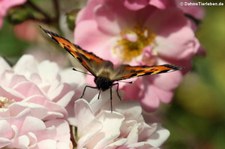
(132, 43)
(4, 102)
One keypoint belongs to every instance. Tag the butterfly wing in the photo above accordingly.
(89, 60)
(99, 67)
(64, 43)
(127, 71)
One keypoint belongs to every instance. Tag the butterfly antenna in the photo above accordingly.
(82, 72)
(128, 82)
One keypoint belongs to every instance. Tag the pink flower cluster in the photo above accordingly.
(37, 109)
(5, 5)
(32, 101)
(140, 32)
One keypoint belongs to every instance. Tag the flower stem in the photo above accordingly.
(39, 10)
(73, 132)
(57, 13)
(57, 9)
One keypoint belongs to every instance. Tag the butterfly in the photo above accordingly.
(106, 75)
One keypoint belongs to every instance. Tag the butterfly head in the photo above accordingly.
(103, 83)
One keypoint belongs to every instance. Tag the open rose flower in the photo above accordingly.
(5, 5)
(124, 127)
(33, 97)
(24, 125)
(146, 35)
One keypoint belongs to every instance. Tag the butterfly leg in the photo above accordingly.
(85, 90)
(111, 99)
(99, 93)
(117, 90)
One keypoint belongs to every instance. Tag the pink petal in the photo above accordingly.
(9, 4)
(136, 4)
(176, 47)
(111, 126)
(16, 79)
(66, 98)
(4, 142)
(27, 89)
(82, 110)
(88, 133)
(62, 129)
(168, 81)
(131, 107)
(98, 42)
(5, 130)
(32, 124)
(162, 4)
(132, 91)
(107, 18)
(54, 110)
(175, 38)
(118, 144)
(48, 143)
(35, 110)
(151, 100)
(107, 21)
(164, 96)
(165, 22)
(11, 94)
(87, 12)
(195, 11)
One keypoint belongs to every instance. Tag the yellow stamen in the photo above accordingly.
(4, 102)
(132, 43)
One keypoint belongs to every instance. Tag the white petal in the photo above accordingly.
(26, 65)
(111, 123)
(3, 65)
(159, 137)
(83, 113)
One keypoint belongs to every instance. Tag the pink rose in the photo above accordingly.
(146, 35)
(98, 127)
(5, 5)
(32, 104)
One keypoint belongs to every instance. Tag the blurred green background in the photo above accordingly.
(196, 117)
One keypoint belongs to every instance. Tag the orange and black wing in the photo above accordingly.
(127, 71)
(88, 59)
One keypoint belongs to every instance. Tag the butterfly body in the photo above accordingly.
(103, 83)
(106, 74)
